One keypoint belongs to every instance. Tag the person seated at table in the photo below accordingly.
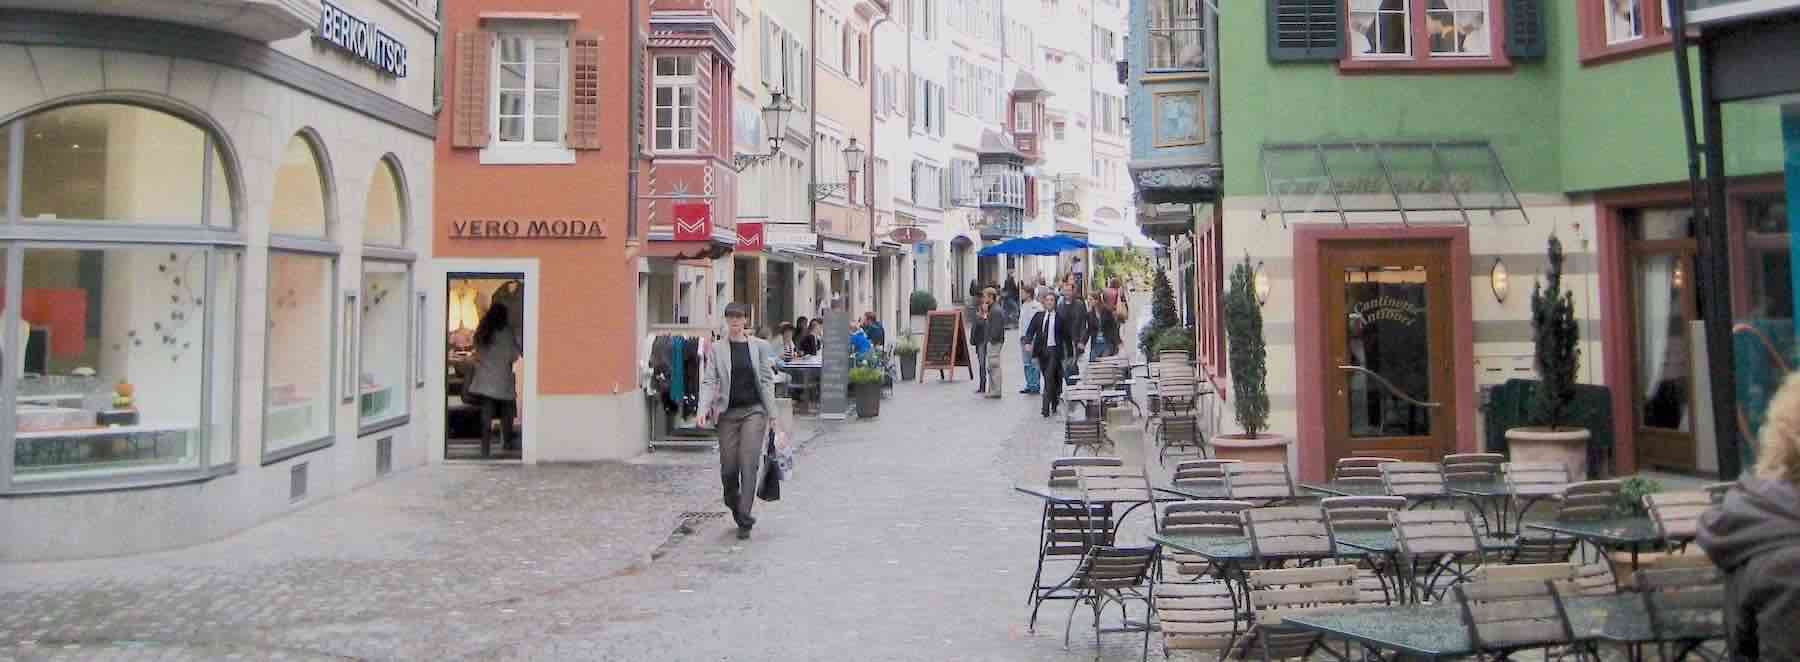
(872, 328)
(808, 345)
(860, 346)
(1754, 537)
(784, 341)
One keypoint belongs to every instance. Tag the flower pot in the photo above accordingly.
(1539, 444)
(868, 399)
(909, 368)
(1245, 448)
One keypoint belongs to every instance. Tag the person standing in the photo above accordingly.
(978, 334)
(1076, 313)
(1027, 312)
(497, 348)
(1754, 538)
(1079, 271)
(992, 336)
(737, 390)
(1049, 344)
(813, 337)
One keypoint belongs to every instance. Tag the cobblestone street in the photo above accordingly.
(899, 539)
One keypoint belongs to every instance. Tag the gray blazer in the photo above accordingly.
(715, 376)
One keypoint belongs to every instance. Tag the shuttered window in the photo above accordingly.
(584, 91)
(1305, 30)
(469, 120)
(1406, 34)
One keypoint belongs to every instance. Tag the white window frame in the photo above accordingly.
(1405, 11)
(675, 83)
(1606, 17)
(499, 152)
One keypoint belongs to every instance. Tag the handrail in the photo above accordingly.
(1767, 345)
(1395, 390)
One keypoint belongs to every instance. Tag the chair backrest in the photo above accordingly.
(1179, 356)
(1535, 478)
(1113, 483)
(1258, 480)
(1593, 499)
(1554, 572)
(1435, 533)
(1684, 603)
(1062, 469)
(1361, 512)
(1360, 468)
(1201, 474)
(1413, 479)
(1100, 374)
(1289, 532)
(1677, 514)
(1184, 426)
(1595, 576)
(1115, 567)
(1205, 516)
(1084, 434)
(1200, 616)
(1276, 594)
(1472, 466)
(1507, 615)
(1536, 548)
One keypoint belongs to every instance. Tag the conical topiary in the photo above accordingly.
(1556, 336)
(1162, 313)
(1247, 354)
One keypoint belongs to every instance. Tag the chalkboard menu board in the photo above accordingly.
(834, 366)
(945, 345)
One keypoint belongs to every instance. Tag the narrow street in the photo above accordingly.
(899, 539)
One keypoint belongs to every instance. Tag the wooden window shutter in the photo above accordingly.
(1306, 30)
(469, 120)
(584, 91)
(1525, 36)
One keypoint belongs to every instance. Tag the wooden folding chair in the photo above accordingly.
(1434, 544)
(1472, 466)
(1351, 514)
(1531, 482)
(1179, 435)
(1087, 435)
(1196, 617)
(1686, 608)
(1114, 575)
(1199, 517)
(1588, 500)
(1505, 617)
(1677, 514)
(1206, 474)
(1068, 530)
(1267, 482)
(1417, 481)
(1293, 533)
(1360, 469)
(1279, 594)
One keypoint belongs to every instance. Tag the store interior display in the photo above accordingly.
(382, 392)
(469, 298)
(298, 400)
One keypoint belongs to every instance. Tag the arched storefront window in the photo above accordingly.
(298, 405)
(384, 337)
(120, 356)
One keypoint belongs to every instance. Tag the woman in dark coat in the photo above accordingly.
(1754, 537)
(497, 347)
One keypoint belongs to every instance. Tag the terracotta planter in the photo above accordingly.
(1243, 448)
(1538, 444)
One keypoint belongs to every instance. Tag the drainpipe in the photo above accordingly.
(869, 171)
(812, 114)
(631, 172)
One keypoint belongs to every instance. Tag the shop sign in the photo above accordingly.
(750, 237)
(693, 221)
(560, 228)
(1388, 309)
(908, 234)
(361, 39)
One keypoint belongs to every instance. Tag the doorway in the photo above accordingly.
(471, 296)
(1665, 311)
(1389, 325)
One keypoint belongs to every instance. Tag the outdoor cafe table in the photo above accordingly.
(1437, 631)
(1381, 542)
(1632, 533)
(1486, 495)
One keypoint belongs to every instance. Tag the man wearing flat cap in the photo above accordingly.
(737, 390)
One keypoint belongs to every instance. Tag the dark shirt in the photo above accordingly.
(808, 345)
(743, 378)
(875, 333)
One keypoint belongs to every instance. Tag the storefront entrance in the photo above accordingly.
(471, 297)
(1388, 328)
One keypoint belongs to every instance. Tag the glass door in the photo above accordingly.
(1665, 307)
(1388, 343)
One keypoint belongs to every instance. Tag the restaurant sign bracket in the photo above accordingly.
(1422, 182)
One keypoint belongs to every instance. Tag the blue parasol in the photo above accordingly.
(1043, 245)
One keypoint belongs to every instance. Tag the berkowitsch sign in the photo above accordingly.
(362, 39)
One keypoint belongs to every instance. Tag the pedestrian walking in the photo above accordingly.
(1095, 326)
(737, 392)
(1754, 537)
(1050, 344)
(1027, 312)
(1076, 314)
(497, 348)
(990, 341)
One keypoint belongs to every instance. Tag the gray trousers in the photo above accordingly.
(743, 433)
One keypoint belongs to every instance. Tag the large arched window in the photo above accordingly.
(120, 356)
(384, 337)
(298, 405)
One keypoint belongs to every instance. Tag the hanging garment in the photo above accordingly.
(677, 369)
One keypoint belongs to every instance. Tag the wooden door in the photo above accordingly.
(1665, 305)
(1388, 330)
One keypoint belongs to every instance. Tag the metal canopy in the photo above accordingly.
(1426, 183)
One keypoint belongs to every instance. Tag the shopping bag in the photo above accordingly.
(770, 489)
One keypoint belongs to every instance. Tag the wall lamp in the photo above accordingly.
(1497, 279)
(774, 117)
(1262, 285)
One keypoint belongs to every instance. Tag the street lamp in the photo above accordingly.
(774, 117)
(853, 154)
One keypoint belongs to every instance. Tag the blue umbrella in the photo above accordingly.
(1044, 245)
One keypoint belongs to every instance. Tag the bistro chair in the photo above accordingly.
(1214, 517)
(1677, 514)
(1505, 617)
(1278, 594)
(1435, 544)
(1588, 500)
(1201, 475)
(1267, 482)
(1360, 470)
(1089, 435)
(1179, 435)
(1113, 575)
(1200, 616)
(1069, 529)
(1541, 547)
(1290, 533)
(1531, 482)
(1417, 481)
(1472, 466)
(1355, 514)
(1063, 470)
(1686, 608)
(1595, 576)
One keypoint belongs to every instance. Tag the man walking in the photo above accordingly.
(1049, 340)
(1028, 312)
(737, 392)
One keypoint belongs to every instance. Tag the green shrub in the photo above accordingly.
(922, 302)
(1632, 492)
(1556, 337)
(865, 375)
(1247, 355)
(1162, 313)
(906, 349)
(1178, 338)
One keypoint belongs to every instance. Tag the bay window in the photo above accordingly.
(1177, 35)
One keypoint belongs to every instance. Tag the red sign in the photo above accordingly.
(750, 237)
(908, 234)
(693, 221)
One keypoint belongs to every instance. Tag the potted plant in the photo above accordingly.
(1162, 314)
(921, 304)
(1631, 495)
(1557, 358)
(865, 386)
(908, 353)
(1176, 339)
(1248, 358)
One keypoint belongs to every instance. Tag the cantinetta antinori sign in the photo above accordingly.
(362, 39)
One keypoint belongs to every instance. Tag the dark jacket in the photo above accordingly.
(1755, 538)
(991, 330)
(1034, 335)
(1075, 314)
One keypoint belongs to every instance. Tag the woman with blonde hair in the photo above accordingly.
(1754, 537)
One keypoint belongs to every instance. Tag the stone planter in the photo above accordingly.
(868, 399)
(1538, 444)
(1243, 448)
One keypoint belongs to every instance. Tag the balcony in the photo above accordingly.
(257, 20)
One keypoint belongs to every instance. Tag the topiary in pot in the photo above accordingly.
(1557, 356)
(1179, 338)
(1162, 313)
(908, 354)
(1248, 360)
(922, 302)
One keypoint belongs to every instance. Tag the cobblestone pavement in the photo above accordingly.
(900, 538)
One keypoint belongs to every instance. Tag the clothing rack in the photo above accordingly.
(665, 429)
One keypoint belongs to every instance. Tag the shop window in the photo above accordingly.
(299, 206)
(298, 408)
(383, 221)
(123, 164)
(382, 392)
(676, 90)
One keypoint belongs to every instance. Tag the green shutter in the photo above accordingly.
(1306, 30)
(1525, 36)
